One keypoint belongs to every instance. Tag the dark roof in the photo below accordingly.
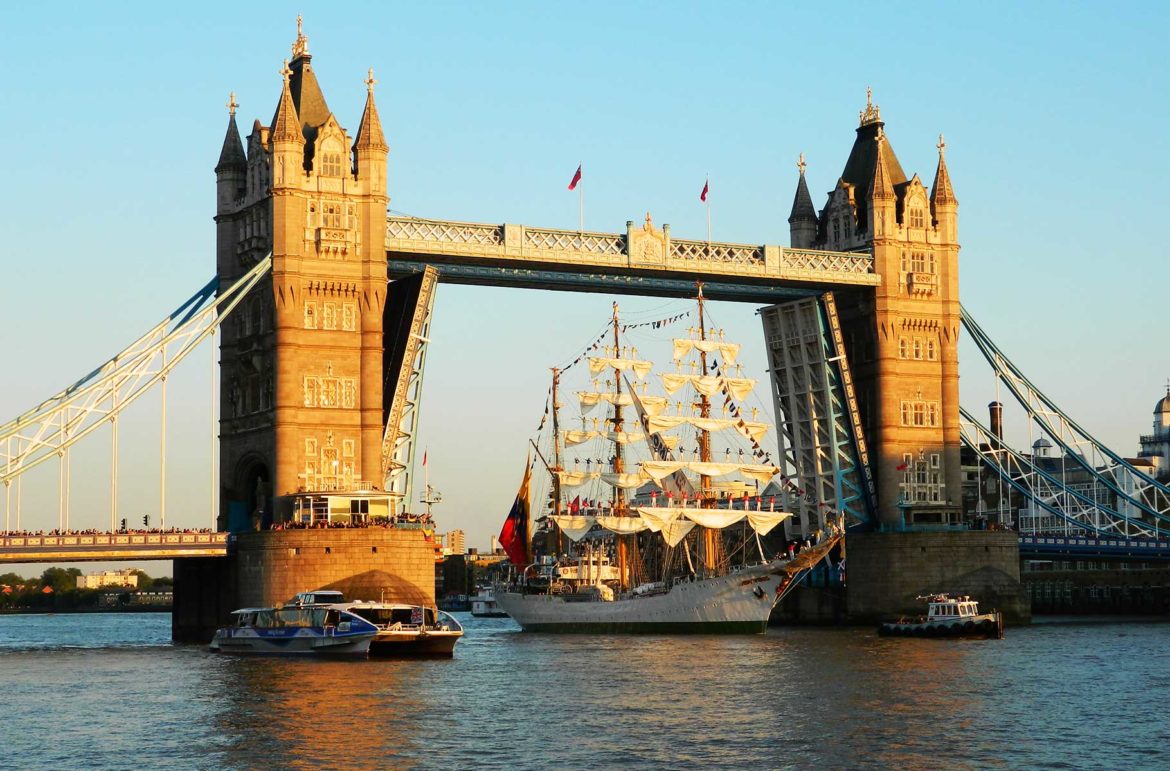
(802, 204)
(312, 111)
(231, 156)
(859, 168)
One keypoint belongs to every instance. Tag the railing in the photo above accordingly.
(715, 252)
(571, 240)
(639, 248)
(116, 539)
(412, 229)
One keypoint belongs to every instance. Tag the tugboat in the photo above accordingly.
(483, 604)
(947, 617)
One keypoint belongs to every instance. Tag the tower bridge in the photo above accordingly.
(322, 305)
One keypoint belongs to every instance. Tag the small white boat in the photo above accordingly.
(483, 604)
(947, 617)
(317, 623)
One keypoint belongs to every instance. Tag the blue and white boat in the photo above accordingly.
(315, 623)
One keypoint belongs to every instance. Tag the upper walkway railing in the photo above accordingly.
(142, 545)
(640, 250)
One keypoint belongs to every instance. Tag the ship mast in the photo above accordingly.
(710, 556)
(556, 467)
(619, 505)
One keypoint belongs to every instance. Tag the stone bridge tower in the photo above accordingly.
(301, 360)
(902, 337)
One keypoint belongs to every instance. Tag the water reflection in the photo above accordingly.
(794, 698)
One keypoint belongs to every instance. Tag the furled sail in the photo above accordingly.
(640, 368)
(709, 385)
(751, 428)
(728, 350)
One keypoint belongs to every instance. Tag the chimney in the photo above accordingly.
(996, 411)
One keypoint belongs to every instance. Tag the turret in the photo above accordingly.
(288, 142)
(802, 222)
(882, 203)
(369, 148)
(232, 169)
(944, 207)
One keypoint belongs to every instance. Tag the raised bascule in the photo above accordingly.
(323, 304)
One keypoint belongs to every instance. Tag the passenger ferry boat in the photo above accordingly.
(324, 622)
(483, 604)
(312, 623)
(409, 630)
(947, 617)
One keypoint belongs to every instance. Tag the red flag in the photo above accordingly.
(702, 196)
(514, 533)
(424, 457)
(903, 467)
(576, 178)
(575, 506)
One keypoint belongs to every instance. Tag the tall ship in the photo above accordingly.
(673, 540)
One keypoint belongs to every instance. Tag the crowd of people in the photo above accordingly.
(95, 531)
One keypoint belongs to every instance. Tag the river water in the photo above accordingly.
(111, 691)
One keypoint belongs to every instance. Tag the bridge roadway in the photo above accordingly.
(644, 260)
(90, 547)
(1093, 547)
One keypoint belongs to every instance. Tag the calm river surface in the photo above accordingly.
(110, 691)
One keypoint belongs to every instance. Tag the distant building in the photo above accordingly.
(1155, 447)
(125, 578)
(455, 543)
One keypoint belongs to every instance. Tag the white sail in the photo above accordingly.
(574, 528)
(590, 399)
(728, 350)
(576, 478)
(751, 428)
(763, 521)
(717, 519)
(640, 368)
(709, 385)
(659, 469)
(573, 437)
(625, 481)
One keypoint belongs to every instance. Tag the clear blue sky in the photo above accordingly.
(1055, 116)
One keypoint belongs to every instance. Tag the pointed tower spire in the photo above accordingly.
(881, 187)
(942, 193)
(231, 156)
(802, 221)
(286, 126)
(369, 135)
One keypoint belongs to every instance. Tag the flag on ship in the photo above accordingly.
(514, 533)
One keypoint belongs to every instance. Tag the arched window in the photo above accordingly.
(330, 159)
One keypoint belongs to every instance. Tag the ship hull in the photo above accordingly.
(737, 603)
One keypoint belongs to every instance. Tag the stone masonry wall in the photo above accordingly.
(391, 564)
(887, 571)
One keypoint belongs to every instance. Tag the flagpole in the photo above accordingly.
(708, 202)
(581, 204)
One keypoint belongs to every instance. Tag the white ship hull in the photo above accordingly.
(737, 603)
